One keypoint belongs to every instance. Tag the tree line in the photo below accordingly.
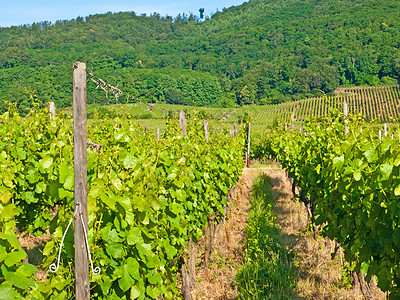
(256, 53)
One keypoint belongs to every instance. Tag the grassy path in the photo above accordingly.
(263, 250)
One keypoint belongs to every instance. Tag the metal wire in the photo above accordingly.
(97, 270)
(53, 267)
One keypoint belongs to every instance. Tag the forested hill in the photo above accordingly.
(263, 51)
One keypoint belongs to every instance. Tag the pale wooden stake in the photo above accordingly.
(248, 147)
(82, 287)
(234, 131)
(345, 113)
(206, 130)
(182, 122)
(158, 134)
(52, 110)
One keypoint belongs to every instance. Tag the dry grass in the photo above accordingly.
(320, 277)
(218, 280)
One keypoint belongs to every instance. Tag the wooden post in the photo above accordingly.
(385, 130)
(248, 147)
(182, 122)
(345, 113)
(158, 134)
(206, 130)
(145, 128)
(82, 288)
(52, 110)
(234, 130)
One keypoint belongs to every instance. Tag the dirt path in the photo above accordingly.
(318, 276)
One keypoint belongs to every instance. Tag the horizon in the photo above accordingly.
(23, 12)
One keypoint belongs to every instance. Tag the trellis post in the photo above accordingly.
(82, 284)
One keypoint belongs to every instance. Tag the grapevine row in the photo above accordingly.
(146, 199)
(352, 183)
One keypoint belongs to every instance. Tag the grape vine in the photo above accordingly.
(146, 199)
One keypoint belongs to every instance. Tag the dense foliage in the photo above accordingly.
(146, 199)
(353, 182)
(260, 52)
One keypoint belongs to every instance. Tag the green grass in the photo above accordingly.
(269, 271)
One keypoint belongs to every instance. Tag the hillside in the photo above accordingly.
(260, 52)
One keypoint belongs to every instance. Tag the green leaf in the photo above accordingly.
(386, 171)
(135, 292)
(134, 236)
(69, 182)
(169, 250)
(396, 237)
(117, 183)
(30, 198)
(116, 250)
(130, 161)
(153, 292)
(126, 281)
(371, 155)
(155, 278)
(132, 267)
(27, 270)
(357, 175)
(144, 250)
(364, 267)
(7, 292)
(396, 161)
(33, 176)
(46, 161)
(338, 162)
(8, 212)
(397, 190)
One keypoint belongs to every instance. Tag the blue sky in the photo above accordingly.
(18, 12)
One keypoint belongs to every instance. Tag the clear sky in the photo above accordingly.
(18, 12)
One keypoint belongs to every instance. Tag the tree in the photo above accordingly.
(201, 10)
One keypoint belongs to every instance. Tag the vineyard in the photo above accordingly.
(150, 196)
(375, 103)
(380, 103)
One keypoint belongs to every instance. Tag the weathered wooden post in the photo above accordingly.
(248, 147)
(158, 134)
(182, 122)
(82, 284)
(234, 130)
(206, 130)
(52, 110)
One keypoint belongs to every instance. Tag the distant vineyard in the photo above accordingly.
(380, 103)
(375, 103)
